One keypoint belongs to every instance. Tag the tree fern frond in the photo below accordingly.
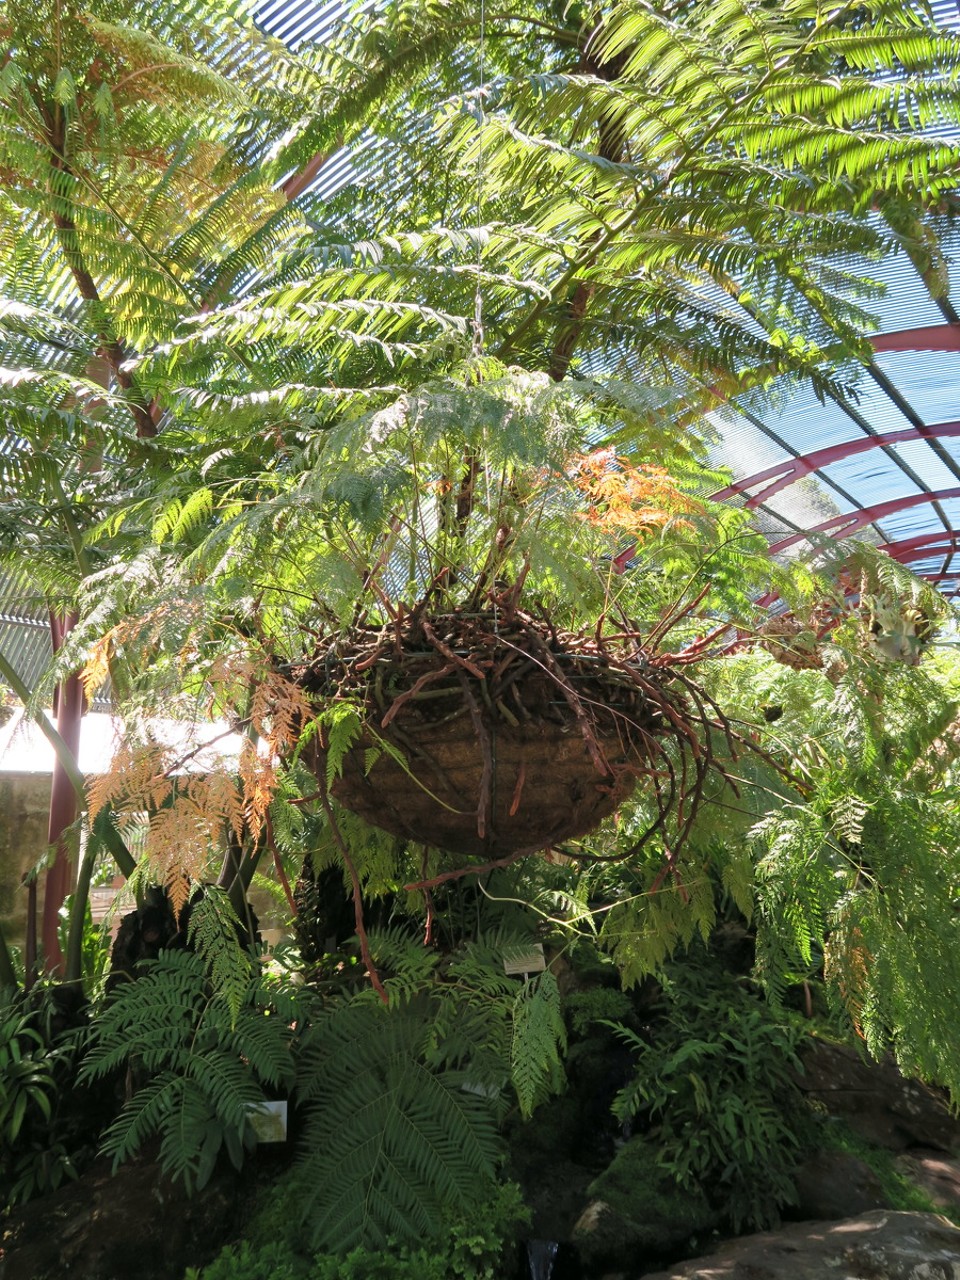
(405, 1142)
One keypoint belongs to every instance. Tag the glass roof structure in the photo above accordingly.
(883, 465)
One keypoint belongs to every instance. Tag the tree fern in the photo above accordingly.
(388, 1143)
(205, 1065)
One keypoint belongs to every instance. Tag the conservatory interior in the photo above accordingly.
(479, 692)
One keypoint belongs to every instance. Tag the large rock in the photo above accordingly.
(876, 1101)
(638, 1212)
(881, 1245)
(833, 1184)
(936, 1176)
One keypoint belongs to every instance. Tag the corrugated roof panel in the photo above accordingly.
(873, 476)
(906, 303)
(26, 646)
(873, 404)
(807, 424)
(929, 381)
(808, 503)
(946, 14)
(929, 565)
(302, 23)
(911, 521)
(951, 509)
(931, 469)
(743, 446)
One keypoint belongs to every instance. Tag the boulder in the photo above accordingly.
(638, 1212)
(876, 1101)
(935, 1175)
(881, 1245)
(834, 1184)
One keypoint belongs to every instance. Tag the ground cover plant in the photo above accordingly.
(407, 486)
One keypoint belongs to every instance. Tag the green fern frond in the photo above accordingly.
(214, 930)
(539, 1041)
(405, 1142)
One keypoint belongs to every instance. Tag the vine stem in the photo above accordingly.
(341, 844)
(468, 871)
(279, 864)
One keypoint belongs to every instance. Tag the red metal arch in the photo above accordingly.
(923, 545)
(934, 337)
(854, 521)
(785, 473)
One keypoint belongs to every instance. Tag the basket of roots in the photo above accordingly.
(480, 628)
(492, 732)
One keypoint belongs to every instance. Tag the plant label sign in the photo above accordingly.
(524, 962)
(268, 1121)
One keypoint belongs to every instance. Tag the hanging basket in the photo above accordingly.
(488, 736)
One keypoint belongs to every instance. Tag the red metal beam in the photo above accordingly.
(922, 545)
(934, 337)
(785, 473)
(854, 521)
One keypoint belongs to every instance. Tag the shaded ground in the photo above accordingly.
(134, 1224)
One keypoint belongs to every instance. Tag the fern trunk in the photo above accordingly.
(64, 806)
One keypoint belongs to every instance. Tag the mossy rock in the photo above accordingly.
(638, 1211)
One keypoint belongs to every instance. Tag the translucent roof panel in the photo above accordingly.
(927, 379)
(871, 477)
(929, 465)
(906, 304)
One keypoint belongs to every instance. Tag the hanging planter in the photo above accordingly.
(491, 733)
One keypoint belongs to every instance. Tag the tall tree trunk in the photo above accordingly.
(64, 805)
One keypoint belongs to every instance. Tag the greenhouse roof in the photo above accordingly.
(883, 464)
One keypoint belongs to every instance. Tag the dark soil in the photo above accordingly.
(132, 1224)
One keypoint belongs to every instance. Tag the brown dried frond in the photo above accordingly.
(628, 500)
(97, 668)
(179, 842)
(279, 710)
(847, 962)
(258, 781)
(137, 779)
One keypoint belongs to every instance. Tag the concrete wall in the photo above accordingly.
(24, 801)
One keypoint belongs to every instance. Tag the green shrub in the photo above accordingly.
(716, 1089)
(466, 1248)
(38, 1136)
(600, 1004)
